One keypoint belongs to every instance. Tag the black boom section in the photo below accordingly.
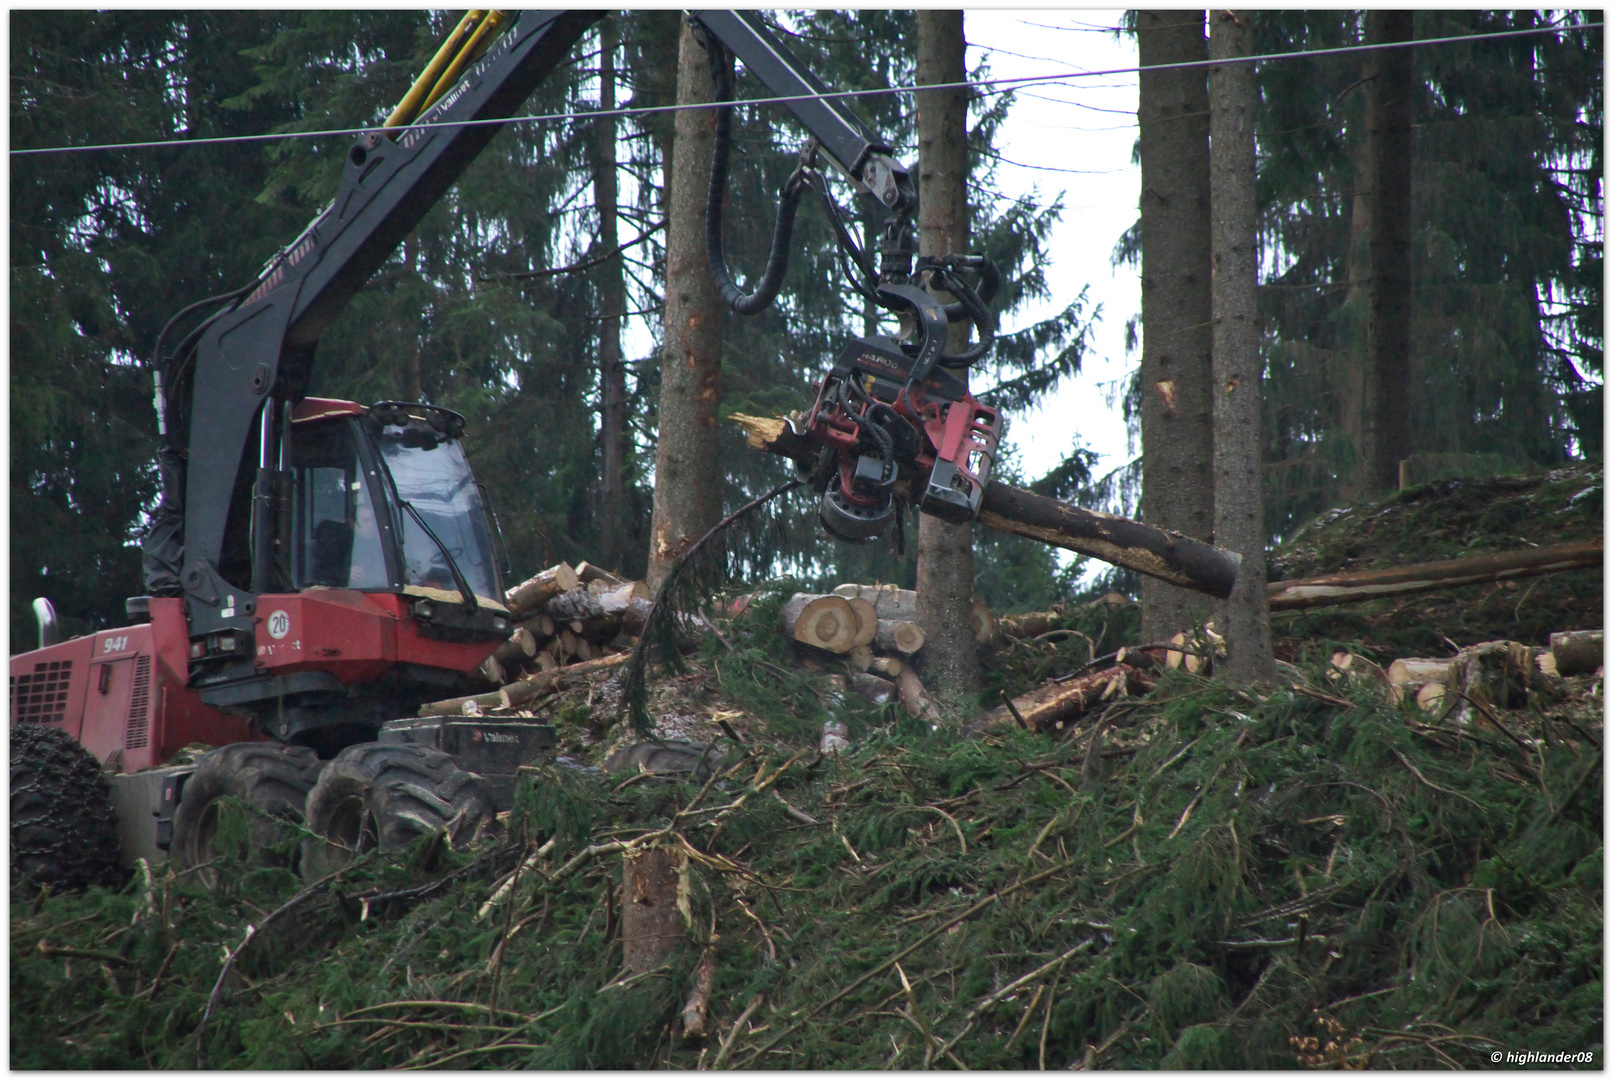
(387, 186)
(844, 137)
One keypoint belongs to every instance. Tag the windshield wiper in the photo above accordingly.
(453, 566)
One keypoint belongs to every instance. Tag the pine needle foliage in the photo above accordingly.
(1203, 878)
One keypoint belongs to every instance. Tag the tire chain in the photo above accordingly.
(64, 832)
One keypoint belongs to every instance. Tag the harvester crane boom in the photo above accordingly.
(261, 350)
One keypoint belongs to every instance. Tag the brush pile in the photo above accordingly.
(1173, 873)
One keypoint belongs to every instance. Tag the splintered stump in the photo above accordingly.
(826, 622)
(651, 922)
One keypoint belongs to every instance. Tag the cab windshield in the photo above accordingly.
(432, 475)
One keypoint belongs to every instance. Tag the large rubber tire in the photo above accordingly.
(386, 795)
(64, 832)
(270, 779)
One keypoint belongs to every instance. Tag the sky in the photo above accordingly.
(1087, 126)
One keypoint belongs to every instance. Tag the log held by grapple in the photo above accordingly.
(1159, 553)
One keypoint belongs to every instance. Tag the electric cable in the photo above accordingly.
(836, 95)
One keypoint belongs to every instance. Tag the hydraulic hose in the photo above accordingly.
(971, 304)
(778, 258)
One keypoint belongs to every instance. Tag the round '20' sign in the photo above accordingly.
(279, 625)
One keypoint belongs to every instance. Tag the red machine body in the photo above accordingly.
(121, 693)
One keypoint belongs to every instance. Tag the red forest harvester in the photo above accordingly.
(317, 569)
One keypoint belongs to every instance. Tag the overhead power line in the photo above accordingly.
(1001, 85)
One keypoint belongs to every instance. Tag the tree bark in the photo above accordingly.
(945, 551)
(651, 922)
(688, 473)
(611, 513)
(1238, 361)
(1173, 147)
(1386, 434)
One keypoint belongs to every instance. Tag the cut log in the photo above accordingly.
(982, 623)
(546, 661)
(520, 647)
(867, 621)
(1054, 705)
(872, 688)
(860, 658)
(588, 573)
(1348, 667)
(1029, 624)
(1577, 652)
(1161, 553)
(1432, 576)
(585, 650)
(1410, 674)
(1431, 697)
(899, 635)
(826, 622)
(492, 671)
(888, 666)
(605, 601)
(540, 588)
(522, 690)
(540, 626)
(910, 692)
(568, 645)
(890, 602)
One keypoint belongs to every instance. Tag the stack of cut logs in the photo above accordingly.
(1489, 675)
(570, 621)
(874, 627)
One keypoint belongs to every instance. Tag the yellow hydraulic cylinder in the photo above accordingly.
(416, 101)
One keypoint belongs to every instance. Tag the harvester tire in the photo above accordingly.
(385, 795)
(64, 832)
(271, 780)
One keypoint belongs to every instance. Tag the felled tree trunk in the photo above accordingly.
(1158, 553)
(1054, 704)
(1431, 576)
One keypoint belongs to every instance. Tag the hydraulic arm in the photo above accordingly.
(252, 361)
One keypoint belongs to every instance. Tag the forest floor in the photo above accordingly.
(1297, 875)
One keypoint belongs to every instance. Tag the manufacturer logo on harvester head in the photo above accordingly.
(279, 625)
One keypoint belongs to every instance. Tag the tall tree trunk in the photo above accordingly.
(611, 489)
(1386, 435)
(1174, 146)
(688, 472)
(946, 565)
(1239, 513)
